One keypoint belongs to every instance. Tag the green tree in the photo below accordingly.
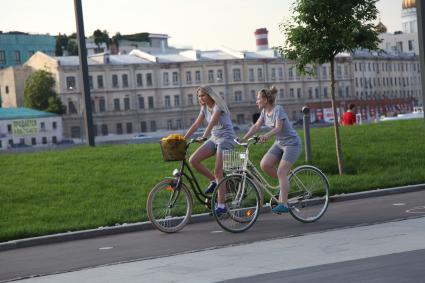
(101, 37)
(39, 93)
(72, 47)
(61, 44)
(320, 29)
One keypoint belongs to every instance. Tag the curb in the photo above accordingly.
(198, 218)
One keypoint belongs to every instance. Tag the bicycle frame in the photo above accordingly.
(191, 178)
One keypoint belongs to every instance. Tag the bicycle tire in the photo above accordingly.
(309, 193)
(242, 203)
(169, 209)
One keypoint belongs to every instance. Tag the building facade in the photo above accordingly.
(28, 127)
(17, 47)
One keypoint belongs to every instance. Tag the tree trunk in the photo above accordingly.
(336, 125)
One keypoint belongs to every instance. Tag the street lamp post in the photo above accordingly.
(84, 71)
(420, 12)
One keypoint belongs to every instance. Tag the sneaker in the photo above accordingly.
(220, 211)
(210, 188)
(280, 208)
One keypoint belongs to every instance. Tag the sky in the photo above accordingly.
(199, 24)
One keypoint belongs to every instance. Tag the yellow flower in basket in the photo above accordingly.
(173, 147)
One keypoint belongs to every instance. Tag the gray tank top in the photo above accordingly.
(287, 136)
(224, 127)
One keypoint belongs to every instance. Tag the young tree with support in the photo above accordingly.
(321, 29)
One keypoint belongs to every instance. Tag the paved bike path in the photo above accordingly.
(88, 253)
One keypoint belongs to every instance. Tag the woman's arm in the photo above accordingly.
(194, 126)
(278, 127)
(254, 128)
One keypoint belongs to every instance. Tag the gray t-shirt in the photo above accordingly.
(287, 136)
(224, 127)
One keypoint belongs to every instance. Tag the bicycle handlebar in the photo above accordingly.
(250, 141)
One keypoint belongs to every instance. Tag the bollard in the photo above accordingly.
(306, 124)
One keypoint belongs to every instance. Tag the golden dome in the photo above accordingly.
(380, 27)
(407, 4)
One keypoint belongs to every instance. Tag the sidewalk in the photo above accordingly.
(261, 257)
(141, 226)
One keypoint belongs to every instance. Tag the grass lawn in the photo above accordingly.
(80, 188)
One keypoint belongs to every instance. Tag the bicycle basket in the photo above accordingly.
(173, 150)
(233, 160)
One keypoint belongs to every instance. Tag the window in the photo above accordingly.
(316, 93)
(33, 141)
(116, 104)
(9, 128)
(347, 91)
(6, 89)
(291, 72)
(198, 76)
(100, 81)
(310, 93)
(176, 100)
(70, 83)
(281, 93)
(2, 57)
(179, 124)
(143, 127)
(75, 132)
(126, 103)
(125, 80)
(188, 77)
(190, 99)
(165, 78)
(299, 92)
(129, 127)
(175, 78)
(251, 75)
(102, 105)
(325, 92)
(93, 106)
(210, 76)
(410, 43)
(17, 54)
(104, 129)
(141, 102)
(54, 140)
(149, 79)
(44, 140)
(220, 75)
(291, 92)
(236, 75)
(169, 124)
(139, 80)
(91, 82)
(72, 108)
(150, 102)
(324, 71)
(153, 126)
(280, 73)
(273, 74)
(260, 74)
(54, 125)
(114, 80)
(167, 101)
(238, 95)
(119, 129)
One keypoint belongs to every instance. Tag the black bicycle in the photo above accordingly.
(169, 204)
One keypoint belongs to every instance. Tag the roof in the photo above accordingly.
(23, 113)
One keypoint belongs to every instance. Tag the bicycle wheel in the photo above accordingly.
(169, 208)
(242, 203)
(309, 193)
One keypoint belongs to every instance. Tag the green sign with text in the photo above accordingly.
(24, 127)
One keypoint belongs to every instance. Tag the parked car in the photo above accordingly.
(140, 137)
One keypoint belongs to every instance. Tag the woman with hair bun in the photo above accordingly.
(214, 110)
(285, 150)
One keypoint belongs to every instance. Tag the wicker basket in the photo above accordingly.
(173, 150)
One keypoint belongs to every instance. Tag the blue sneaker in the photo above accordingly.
(220, 211)
(210, 188)
(280, 208)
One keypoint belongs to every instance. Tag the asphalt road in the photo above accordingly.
(81, 254)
